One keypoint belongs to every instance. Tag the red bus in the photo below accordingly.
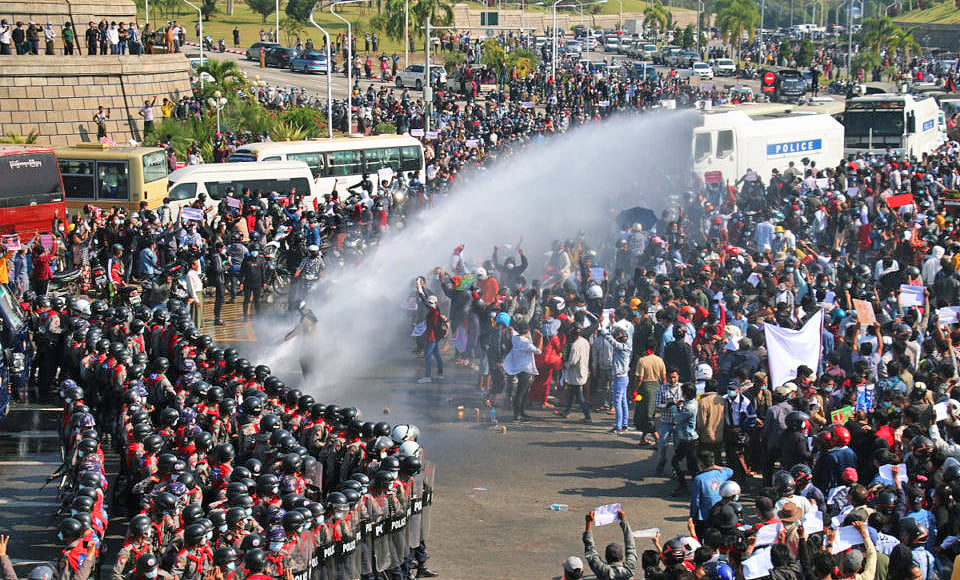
(31, 191)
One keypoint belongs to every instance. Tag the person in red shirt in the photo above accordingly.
(42, 272)
(432, 335)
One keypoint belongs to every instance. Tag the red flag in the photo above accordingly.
(895, 201)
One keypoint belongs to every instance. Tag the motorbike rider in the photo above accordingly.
(309, 271)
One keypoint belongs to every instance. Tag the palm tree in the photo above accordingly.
(440, 13)
(226, 74)
(877, 32)
(904, 40)
(20, 139)
(736, 16)
(657, 17)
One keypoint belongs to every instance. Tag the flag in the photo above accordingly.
(895, 201)
(787, 349)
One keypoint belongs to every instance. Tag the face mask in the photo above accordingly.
(789, 270)
(254, 254)
(73, 513)
(509, 266)
(249, 512)
(847, 285)
(764, 387)
(339, 514)
(231, 566)
(276, 546)
(60, 536)
(151, 574)
(306, 525)
(60, 228)
(732, 393)
(320, 520)
(222, 528)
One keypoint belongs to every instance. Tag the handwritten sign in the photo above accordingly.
(46, 241)
(471, 143)
(385, 174)
(526, 105)
(233, 202)
(604, 103)
(596, 273)
(606, 514)
(911, 295)
(948, 315)
(11, 242)
(865, 313)
(431, 134)
(416, 132)
(841, 416)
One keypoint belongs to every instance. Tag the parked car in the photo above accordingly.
(573, 47)
(253, 53)
(611, 43)
(723, 67)
(412, 76)
(279, 56)
(648, 52)
(309, 62)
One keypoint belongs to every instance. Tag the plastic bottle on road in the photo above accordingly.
(559, 507)
(493, 415)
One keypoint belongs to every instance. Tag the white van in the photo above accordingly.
(213, 179)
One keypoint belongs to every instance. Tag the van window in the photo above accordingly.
(218, 189)
(411, 159)
(313, 159)
(114, 177)
(701, 146)
(78, 179)
(183, 191)
(272, 158)
(376, 159)
(724, 143)
(344, 163)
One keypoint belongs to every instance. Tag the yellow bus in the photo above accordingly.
(107, 176)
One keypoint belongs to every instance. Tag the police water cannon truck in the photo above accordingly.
(904, 124)
(728, 144)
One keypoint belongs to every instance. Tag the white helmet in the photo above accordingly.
(730, 489)
(399, 433)
(481, 273)
(313, 248)
(410, 449)
(704, 372)
(558, 304)
(594, 292)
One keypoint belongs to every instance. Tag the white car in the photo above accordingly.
(723, 67)
(702, 70)
(412, 76)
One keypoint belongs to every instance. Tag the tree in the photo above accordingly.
(657, 18)
(736, 17)
(903, 40)
(688, 39)
(878, 32)
(785, 53)
(262, 7)
(292, 28)
(299, 10)
(805, 52)
(440, 13)
(524, 61)
(20, 139)
(492, 55)
(226, 74)
(209, 8)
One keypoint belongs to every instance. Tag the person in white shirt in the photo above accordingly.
(195, 291)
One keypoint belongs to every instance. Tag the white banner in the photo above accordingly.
(787, 349)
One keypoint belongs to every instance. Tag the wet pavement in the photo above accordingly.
(494, 483)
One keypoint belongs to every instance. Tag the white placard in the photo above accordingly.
(11, 242)
(431, 134)
(911, 295)
(645, 533)
(604, 103)
(234, 202)
(813, 523)
(942, 410)
(886, 472)
(847, 537)
(823, 183)
(526, 104)
(385, 174)
(758, 565)
(192, 213)
(416, 132)
(605, 317)
(596, 273)
(419, 329)
(948, 315)
(606, 514)
(471, 143)
(753, 279)
(768, 534)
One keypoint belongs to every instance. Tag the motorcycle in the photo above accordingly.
(208, 43)
(66, 282)
(221, 46)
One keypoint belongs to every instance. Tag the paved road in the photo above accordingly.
(503, 528)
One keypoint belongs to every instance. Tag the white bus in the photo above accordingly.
(902, 123)
(344, 159)
(214, 179)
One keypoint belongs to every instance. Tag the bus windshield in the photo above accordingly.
(10, 306)
(882, 123)
(154, 166)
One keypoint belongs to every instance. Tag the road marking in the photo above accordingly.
(25, 503)
(30, 434)
(25, 462)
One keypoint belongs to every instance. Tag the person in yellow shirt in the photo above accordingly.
(167, 107)
(4, 270)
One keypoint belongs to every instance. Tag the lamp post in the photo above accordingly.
(406, 33)
(700, 8)
(763, 6)
(349, 62)
(326, 40)
(217, 103)
(553, 61)
(200, 28)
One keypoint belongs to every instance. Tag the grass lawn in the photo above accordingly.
(939, 13)
(221, 25)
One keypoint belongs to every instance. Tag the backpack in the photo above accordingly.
(444, 328)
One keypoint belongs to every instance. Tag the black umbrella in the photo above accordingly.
(637, 215)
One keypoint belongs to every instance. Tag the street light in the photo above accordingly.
(553, 61)
(200, 29)
(217, 103)
(326, 40)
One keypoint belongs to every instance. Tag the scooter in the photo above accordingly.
(221, 46)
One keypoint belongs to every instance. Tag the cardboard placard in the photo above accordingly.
(526, 105)
(865, 398)
(911, 295)
(192, 213)
(385, 174)
(234, 202)
(11, 242)
(606, 514)
(948, 315)
(865, 313)
(596, 273)
(841, 416)
(895, 201)
(431, 134)
(416, 132)
(46, 241)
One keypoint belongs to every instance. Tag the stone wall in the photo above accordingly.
(58, 95)
(946, 36)
(59, 12)
(466, 15)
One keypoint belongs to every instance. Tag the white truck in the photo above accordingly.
(727, 144)
(903, 123)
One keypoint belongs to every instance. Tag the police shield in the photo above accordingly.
(397, 529)
(313, 476)
(299, 556)
(426, 497)
(379, 520)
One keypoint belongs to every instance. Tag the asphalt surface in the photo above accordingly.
(494, 483)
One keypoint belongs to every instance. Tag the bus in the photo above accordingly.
(343, 160)
(106, 176)
(31, 191)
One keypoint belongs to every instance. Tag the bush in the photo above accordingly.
(313, 122)
(385, 129)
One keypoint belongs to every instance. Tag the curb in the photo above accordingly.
(229, 50)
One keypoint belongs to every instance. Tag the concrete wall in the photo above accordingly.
(58, 95)
(945, 36)
(58, 12)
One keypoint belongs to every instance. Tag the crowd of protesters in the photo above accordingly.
(104, 37)
(854, 460)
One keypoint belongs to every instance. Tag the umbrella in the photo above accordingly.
(637, 215)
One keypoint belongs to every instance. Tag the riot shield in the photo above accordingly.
(397, 529)
(415, 511)
(379, 540)
(298, 559)
(313, 476)
(319, 539)
(365, 536)
(429, 473)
